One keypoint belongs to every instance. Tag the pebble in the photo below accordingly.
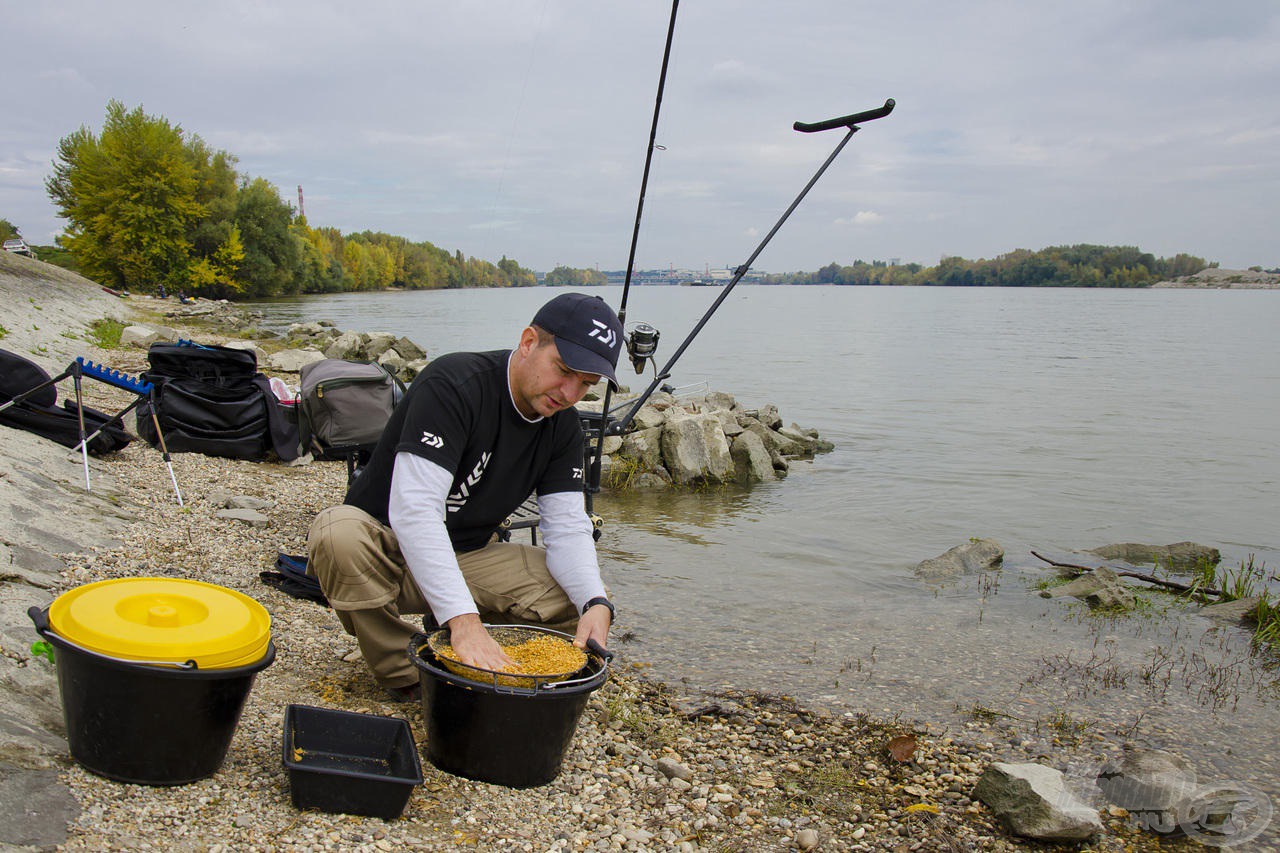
(673, 769)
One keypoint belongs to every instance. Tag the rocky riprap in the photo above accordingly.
(304, 343)
(704, 440)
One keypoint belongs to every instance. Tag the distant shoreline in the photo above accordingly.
(1220, 279)
(1207, 279)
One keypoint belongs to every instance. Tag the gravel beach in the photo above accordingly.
(648, 769)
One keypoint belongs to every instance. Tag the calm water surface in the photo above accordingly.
(1053, 419)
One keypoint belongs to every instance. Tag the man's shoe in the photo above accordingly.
(405, 693)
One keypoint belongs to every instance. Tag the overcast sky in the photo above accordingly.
(519, 127)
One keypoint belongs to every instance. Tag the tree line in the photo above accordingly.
(148, 205)
(1081, 265)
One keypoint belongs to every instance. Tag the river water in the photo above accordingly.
(1046, 419)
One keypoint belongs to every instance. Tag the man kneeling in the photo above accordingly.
(474, 436)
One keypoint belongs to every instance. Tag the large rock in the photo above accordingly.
(976, 555)
(35, 808)
(644, 447)
(345, 345)
(409, 350)
(651, 479)
(800, 437)
(694, 450)
(773, 441)
(1237, 611)
(1180, 556)
(729, 423)
(649, 416)
(1154, 786)
(251, 517)
(378, 343)
(413, 368)
(139, 336)
(768, 415)
(305, 330)
(751, 460)
(293, 360)
(813, 442)
(392, 361)
(1034, 802)
(718, 401)
(248, 346)
(1101, 587)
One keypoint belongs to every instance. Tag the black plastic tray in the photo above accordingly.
(340, 761)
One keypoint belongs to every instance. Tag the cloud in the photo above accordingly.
(1128, 123)
(733, 76)
(862, 217)
(496, 225)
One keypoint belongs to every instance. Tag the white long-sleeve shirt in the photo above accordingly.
(416, 511)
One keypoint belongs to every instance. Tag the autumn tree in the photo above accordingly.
(272, 261)
(134, 198)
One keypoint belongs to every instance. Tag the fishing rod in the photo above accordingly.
(851, 123)
(648, 161)
(643, 340)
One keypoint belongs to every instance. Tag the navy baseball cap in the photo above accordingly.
(587, 332)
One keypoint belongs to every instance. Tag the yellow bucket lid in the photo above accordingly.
(165, 620)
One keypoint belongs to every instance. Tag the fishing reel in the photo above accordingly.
(642, 343)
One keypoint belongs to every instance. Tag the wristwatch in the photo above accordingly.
(600, 599)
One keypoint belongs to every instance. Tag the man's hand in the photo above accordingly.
(473, 644)
(594, 625)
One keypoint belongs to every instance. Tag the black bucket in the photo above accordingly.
(512, 736)
(143, 723)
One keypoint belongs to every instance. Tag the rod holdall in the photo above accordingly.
(40, 413)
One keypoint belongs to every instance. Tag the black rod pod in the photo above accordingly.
(847, 121)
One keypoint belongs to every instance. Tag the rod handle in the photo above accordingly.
(847, 121)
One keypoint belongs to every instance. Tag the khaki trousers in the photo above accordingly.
(358, 563)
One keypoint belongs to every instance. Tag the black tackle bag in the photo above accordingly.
(41, 414)
(213, 400)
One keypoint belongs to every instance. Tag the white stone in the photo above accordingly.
(293, 360)
(138, 336)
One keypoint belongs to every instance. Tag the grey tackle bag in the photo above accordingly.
(344, 405)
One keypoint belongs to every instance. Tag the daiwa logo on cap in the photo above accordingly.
(587, 332)
(604, 333)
